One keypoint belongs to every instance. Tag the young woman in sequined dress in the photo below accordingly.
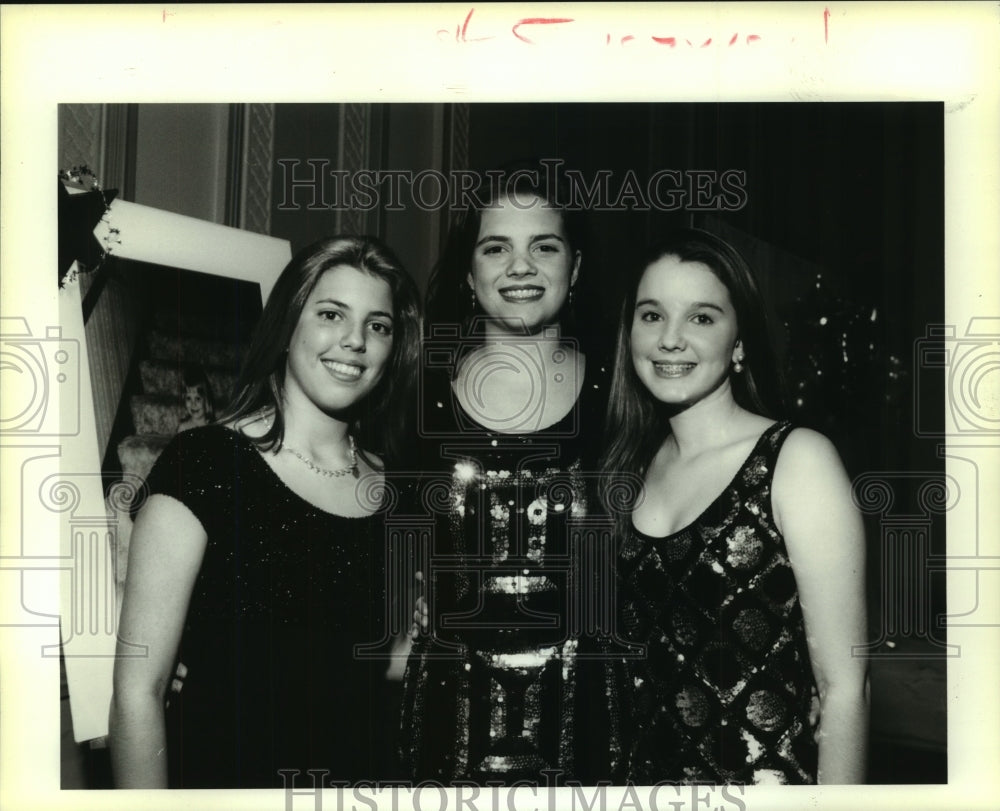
(497, 689)
(256, 558)
(741, 569)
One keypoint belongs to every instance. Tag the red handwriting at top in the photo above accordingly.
(462, 30)
(671, 42)
(461, 33)
(536, 21)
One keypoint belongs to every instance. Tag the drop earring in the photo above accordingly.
(472, 294)
(738, 364)
(571, 297)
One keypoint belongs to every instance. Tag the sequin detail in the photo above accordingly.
(284, 594)
(503, 697)
(726, 692)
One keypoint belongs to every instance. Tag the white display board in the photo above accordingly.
(69, 483)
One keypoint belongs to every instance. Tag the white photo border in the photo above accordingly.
(789, 52)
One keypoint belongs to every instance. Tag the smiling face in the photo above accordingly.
(684, 332)
(194, 401)
(342, 341)
(522, 264)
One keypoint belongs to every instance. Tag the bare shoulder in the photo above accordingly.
(751, 426)
(166, 511)
(810, 480)
(806, 450)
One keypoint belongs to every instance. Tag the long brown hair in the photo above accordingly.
(378, 423)
(636, 422)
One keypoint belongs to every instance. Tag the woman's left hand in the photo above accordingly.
(177, 683)
(421, 614)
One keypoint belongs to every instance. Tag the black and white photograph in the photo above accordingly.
(755, 188)
(499, 449)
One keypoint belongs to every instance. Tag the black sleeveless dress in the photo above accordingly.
(284, 595)
(725, 693)
(506, 687)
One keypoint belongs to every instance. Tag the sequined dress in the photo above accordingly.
(726, 692)
(504, 689)
(284, 593)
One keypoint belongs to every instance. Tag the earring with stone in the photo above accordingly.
(738, 363)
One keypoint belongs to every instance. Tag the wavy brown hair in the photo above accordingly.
(380, 421)
(636, 422)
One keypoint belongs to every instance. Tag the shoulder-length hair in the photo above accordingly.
(194, 377)
(449, 298)
(636, 423)
(379, 422)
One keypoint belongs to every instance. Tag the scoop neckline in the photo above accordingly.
(492, 432)
(248, 445)
(729, 486)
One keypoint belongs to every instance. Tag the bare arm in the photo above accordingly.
(824, 535)
(165, 553)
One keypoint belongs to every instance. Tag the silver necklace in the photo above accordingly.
(322, 471)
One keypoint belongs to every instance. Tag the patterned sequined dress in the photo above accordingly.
(505, 688)
(726, 692)
(284, 593)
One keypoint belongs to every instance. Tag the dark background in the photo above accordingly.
(844, 224)
(851, 191)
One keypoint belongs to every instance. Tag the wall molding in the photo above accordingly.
(353, 154)
(251, 167)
